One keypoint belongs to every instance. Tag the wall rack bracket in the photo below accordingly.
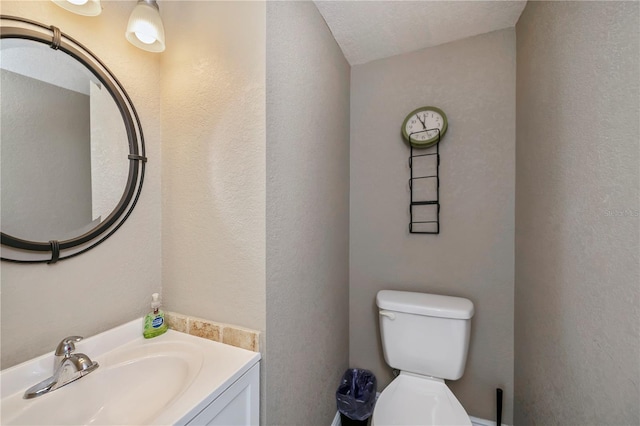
(424, 187)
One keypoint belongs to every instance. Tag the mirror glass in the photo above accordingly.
(63, 144)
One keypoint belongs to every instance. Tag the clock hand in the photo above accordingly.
(421, 122)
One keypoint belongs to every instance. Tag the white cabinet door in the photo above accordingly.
(239, 405)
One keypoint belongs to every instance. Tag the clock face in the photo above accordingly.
(421, 126)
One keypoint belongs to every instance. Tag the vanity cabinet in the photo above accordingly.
(239, 404)
(172, 379)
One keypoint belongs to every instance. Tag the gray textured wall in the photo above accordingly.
(307, 216)
(473, 81)
(115, 280)
(577, 336)
(46, 159)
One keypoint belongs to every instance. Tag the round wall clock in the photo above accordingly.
(421, 126)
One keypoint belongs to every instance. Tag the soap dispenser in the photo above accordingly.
(154, 324)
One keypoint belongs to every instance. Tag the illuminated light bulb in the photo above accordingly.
(78, 2)
(145, 38)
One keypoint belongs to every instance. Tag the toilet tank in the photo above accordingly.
(425, 334)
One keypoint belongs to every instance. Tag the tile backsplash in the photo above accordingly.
(224, 333)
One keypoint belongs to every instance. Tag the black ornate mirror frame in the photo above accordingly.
(23, 251)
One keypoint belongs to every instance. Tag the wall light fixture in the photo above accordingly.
(81, 7)
(145, 29)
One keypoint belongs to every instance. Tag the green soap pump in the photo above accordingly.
(154, 324)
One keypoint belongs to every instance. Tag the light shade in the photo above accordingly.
(81, 7)
(145, 29)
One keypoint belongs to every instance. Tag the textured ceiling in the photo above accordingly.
(369, 30)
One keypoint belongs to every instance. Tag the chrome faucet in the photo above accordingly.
(67, 367)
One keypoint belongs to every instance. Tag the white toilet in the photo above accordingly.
(426, 337)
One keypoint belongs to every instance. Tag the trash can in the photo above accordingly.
(356, 397)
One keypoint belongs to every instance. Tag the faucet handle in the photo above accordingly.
(66, 346)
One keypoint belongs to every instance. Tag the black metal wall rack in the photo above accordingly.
(424, 186)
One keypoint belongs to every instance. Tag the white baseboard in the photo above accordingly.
(336, 420)
(482, 422)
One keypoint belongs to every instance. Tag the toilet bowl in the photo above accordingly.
(414, 400)
(426, 337)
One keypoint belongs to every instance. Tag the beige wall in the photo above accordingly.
(473, 81)
(109, 167)
(111, 283)
(307, 216)
(577, 325)
(213, 182)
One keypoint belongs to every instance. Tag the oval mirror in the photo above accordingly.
(72, 155)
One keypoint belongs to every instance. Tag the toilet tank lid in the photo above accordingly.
(432, 305)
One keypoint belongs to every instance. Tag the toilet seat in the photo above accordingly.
(413, 400)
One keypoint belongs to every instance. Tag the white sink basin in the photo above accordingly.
(165, 380)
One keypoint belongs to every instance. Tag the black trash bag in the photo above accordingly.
(356, 394)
